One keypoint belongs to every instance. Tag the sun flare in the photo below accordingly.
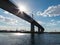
(18, 34)
(22, 8)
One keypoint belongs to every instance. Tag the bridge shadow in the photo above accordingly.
(32, 39)
(35, 39)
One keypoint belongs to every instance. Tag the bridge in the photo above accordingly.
(12, 8)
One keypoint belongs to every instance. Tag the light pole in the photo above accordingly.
(32, 16)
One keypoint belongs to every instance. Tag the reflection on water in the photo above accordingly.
(18, 34)
(29, 39)
(32, 39)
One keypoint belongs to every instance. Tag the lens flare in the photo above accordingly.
(22, 8)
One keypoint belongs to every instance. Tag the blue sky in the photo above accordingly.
(46, 13)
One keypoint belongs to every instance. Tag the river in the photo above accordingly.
(29, 39)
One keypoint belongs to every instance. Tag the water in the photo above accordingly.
(28, 39)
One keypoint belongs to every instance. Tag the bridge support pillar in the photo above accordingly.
(32, 27)
(40, 30)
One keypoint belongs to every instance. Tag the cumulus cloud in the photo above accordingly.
(6, 12)
(58, 21)
(8, 20)
(50, 11)
(11, 21)
(40, 22)
(51, 24)
(52, 20)
(2, 18)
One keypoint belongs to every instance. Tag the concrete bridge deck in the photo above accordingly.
(12, 8)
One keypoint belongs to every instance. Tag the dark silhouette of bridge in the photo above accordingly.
(12, 8)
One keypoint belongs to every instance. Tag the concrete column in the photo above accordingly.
(38, 29)
(42, 31)
(32, 27)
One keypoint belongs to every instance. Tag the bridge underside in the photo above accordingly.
(40, 30)
(10, 7)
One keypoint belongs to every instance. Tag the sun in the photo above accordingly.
(22, 8)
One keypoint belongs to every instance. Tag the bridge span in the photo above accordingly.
(12, 8)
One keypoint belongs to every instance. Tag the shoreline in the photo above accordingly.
(29, 32)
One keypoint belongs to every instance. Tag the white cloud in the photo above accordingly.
(11, 21)
(52, 20)
(2, 18)
(40, 22)
(51, 24)
(6, 12)
(50, 11)
(8, 20)
(58, 21)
